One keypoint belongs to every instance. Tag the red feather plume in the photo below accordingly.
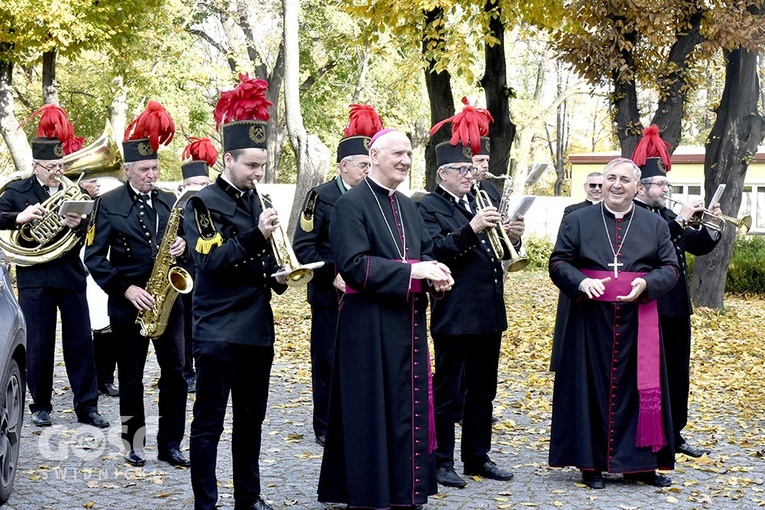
(153, 123)
(247, 101)
(201, 149)
(54, 123)
(652, 146)
(468, 126)
(362, 121)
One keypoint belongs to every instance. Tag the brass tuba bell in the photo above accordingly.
(43, 240)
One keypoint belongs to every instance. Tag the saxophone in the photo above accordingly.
(165, 283)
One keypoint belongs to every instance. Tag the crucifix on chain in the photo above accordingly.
(616, 265)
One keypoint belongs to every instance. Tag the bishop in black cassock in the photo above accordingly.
(596, 400)
(379, 440)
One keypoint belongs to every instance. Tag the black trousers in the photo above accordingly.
(105, 356)
(132, 349)
(188, 322)
(39, 306)
(676, 334)
(244, 371)
(478, 356)
(323, 329)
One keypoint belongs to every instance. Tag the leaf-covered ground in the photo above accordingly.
(726, 402)
(70, 465)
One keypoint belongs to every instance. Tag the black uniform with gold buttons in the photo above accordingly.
(466, 325)
(233, 334)
(126, 237)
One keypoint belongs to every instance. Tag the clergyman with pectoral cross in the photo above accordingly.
(613, 260)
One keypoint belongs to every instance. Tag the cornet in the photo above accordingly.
(714, 222)
(497, 236)
(295, 274)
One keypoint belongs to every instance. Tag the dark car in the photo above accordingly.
(13, 346)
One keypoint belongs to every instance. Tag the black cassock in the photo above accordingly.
(376, 452)
(595, 399)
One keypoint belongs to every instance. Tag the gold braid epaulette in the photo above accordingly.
(91, 235)
(208, 236)
(306, 217)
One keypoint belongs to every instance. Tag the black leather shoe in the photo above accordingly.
(135, 458)
(191, 382)
(321, 439)
(691, 451)
(488, 470)
(446, 475)
(650, 478)
(593, 479)
(109, 389)
(41, 419)
(260, 504)
(174, 457)
(94, 419)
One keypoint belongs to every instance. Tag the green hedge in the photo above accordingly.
(745, 271)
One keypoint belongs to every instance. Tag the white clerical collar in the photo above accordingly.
(618, 215)
(390, 191)
(222, 176)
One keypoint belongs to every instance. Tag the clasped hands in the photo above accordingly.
(438, 274)
(595, 287)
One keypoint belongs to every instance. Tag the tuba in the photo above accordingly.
(296, 275)
(43, 240)
(518, 259)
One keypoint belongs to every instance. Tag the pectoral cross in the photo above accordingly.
(616, 265)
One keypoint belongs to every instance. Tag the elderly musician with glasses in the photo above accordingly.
(311, 244)
(675, 307)
(57, 284)
(472, 343)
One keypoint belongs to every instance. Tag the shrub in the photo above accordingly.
(539, 249)
(745, 270)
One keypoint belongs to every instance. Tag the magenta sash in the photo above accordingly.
(416, 286)
(650, 430)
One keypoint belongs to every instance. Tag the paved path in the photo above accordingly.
(74, 466)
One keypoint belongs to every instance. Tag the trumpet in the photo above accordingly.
(296, 275)
(497, 236)
(714, 222)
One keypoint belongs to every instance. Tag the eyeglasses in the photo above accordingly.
(51, 168)
(594, 185)
(661, 184)
(363, 165)
(463, 169)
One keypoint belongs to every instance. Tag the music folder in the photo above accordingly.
(81, 207)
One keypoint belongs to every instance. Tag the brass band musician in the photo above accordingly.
(56, 284)
(129, 227)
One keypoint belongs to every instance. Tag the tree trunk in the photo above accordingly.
(674, 86)
(494, 83)
(439, 92)
(49, 84)
(732, 143)
(624, 102)
(311, 154)
(276, 133)
(118, 107)
(15, 138)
